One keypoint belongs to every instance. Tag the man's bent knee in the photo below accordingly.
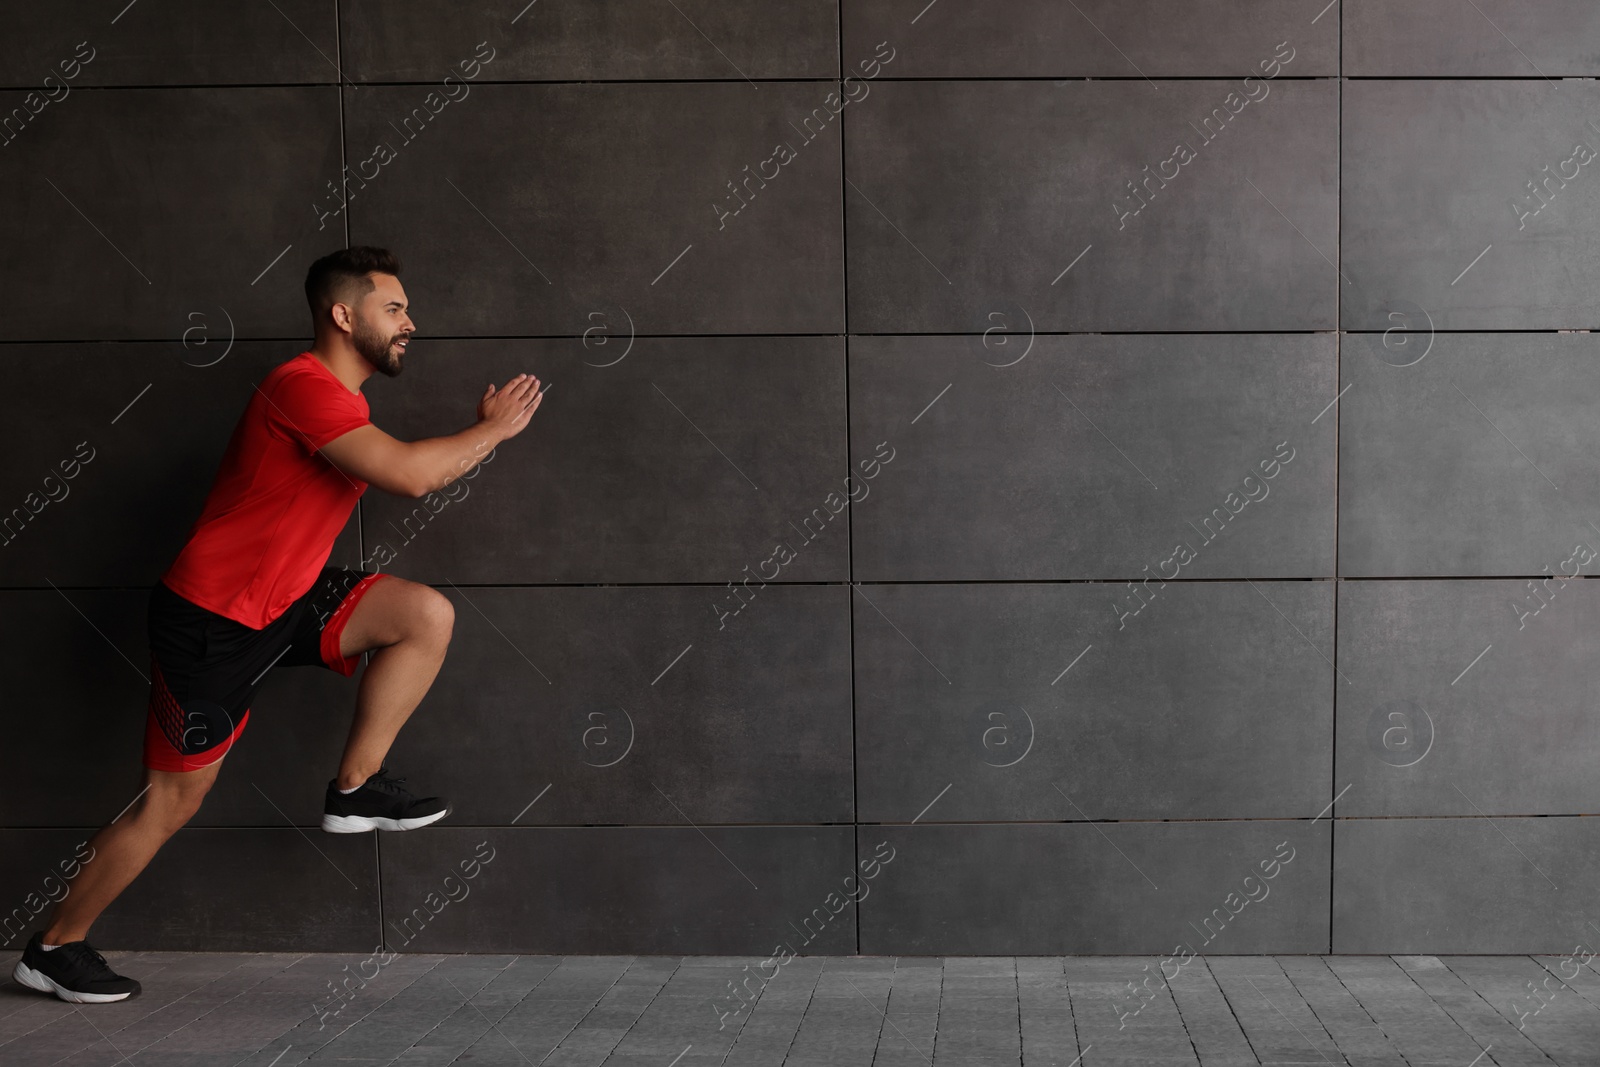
(174, 797)
(398, 610)
(435, 616)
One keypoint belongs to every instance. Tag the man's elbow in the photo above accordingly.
(400, 482)
(410, 478)
(414, 487)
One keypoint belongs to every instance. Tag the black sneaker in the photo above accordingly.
(75, 972)
(380, 804)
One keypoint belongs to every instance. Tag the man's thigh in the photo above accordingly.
(321, 617)
(391, 611)
(169, 785)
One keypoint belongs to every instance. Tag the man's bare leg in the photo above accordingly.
(408, 625)
(124, 847)
(407, 628)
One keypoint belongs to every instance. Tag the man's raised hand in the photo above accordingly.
(508, 409)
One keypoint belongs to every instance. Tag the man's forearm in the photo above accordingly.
(437, 461)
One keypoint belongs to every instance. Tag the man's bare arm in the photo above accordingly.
(417, 468)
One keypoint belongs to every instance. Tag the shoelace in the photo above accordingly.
(385, 783)
(83, 954)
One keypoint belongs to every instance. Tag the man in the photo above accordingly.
(249, 592)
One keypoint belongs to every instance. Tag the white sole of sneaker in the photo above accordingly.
(31, 978)
(360, 824)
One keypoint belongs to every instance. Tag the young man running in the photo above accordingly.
(249, 592)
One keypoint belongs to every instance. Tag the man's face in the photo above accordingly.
(380, 327)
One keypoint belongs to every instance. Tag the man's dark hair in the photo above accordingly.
(341, 277)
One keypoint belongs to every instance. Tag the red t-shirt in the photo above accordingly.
(270, 520)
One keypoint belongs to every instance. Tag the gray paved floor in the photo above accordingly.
(272, 1010)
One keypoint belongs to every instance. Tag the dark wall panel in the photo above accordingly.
(173, 42)
(524, 209)
(1213, 702)
(582, 40)
(1142, 888)
(1462, 208)
(77, 699)
(1488, 39)
(1094, 457)
(1468, 697)
(130, 212)
(1473, 460)
(637, 889)
(971, 197)
(1094, 38)
(1443, 885)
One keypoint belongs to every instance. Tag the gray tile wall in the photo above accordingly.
(941, 536)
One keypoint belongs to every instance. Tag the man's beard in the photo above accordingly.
(374, 348)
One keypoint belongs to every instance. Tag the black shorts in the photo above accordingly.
(205, 668)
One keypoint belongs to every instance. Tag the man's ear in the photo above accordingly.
(343, 317)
